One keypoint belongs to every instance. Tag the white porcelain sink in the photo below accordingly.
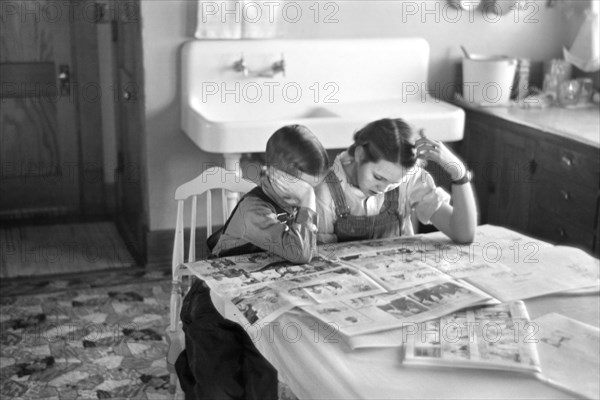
(332, 86)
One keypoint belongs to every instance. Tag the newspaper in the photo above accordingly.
(506, 265)
(229, 276)
(491, 337)
(262, 287)
(555, 269)
(568, 351)
(376, 285)
(338, 250)
(396, 308)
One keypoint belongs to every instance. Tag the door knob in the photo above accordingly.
(64, 79)
(129, 96)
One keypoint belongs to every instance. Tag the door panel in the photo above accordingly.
(510, 204)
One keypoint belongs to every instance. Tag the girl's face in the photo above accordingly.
(377, 177)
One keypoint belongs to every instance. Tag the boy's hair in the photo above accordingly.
(387, 139)
(294, 148)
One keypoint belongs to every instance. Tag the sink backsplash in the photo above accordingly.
(316, 71)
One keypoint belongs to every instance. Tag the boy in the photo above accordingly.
(220, 361)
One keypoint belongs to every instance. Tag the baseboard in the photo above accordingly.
(159, 246)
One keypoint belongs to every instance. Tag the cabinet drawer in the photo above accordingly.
(579, 165)
(557, 230)
(566, 199)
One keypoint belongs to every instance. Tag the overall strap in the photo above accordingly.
(391, 200)
(337, 193)
(257, 192)
(212, 241)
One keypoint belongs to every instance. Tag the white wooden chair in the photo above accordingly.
(210, 180)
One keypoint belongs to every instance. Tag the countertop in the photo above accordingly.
(580, 124)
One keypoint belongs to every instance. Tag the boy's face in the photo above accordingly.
(290, 188)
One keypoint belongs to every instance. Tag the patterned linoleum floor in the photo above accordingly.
(92, 337)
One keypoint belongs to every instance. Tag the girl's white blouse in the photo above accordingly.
(419, 196)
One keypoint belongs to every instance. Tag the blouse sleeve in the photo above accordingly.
(425, 197)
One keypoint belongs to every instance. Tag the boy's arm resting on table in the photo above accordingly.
(256, 222)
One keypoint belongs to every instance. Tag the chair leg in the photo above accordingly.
(174, 335)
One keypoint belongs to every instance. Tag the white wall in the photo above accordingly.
(536, 32)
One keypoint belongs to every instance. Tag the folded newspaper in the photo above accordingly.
(366, 287)
(491, 337)
(568, 351)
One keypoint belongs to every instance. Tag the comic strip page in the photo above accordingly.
(393, 309)
(491, 337)
(230, 275)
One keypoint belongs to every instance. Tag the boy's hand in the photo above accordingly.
(293, 191)
(434, 150)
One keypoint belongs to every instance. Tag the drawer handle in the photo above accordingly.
(532, 166)
(565, 195)
(567, 161)
(561, 232)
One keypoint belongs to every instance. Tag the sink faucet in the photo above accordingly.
(240, 66)
(278, 66)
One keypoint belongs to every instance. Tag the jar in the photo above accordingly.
(556, 72)
(586, 90)
(568, 93)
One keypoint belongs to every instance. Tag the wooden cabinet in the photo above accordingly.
(533, 181)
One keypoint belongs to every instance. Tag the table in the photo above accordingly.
(317, 368)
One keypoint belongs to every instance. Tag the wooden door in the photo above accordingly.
(39, 150)
(130, 186)
(51, 161)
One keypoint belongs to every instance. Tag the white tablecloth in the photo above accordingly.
(317, 370)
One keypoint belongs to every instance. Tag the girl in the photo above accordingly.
(377, 185)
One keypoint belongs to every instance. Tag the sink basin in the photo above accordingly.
(334, 87)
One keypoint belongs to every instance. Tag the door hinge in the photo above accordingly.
(120, 162)
(102, 14)
(114, 30)
(532, 166)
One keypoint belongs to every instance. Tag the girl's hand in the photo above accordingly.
(293, 191)
(434, 150)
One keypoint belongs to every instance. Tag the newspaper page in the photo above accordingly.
(262, 287)
(511, 266)
(553, 270)
(229, 276)
(494, 235)
(395, 271)
(392, 309)
(335, 251)
(262, 303)
(336, 284)
(490, 337)
(568, 351)
(404, 267)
